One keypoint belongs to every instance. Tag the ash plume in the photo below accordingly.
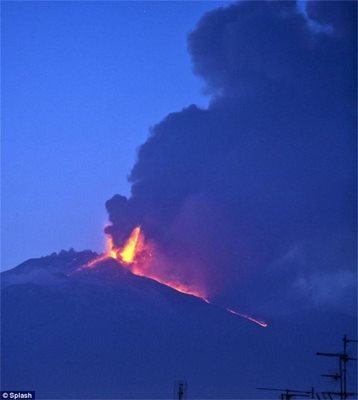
(254, 197)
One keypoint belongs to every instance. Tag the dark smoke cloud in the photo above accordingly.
(255, 196)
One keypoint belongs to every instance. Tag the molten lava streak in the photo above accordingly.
(129, 250)
(252, 319)
(110, 253)
(134, 256)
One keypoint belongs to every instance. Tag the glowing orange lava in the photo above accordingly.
(111, 252)
(135, 255)
(129, 251)
(252, 319)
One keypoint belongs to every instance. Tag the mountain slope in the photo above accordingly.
(106, 333)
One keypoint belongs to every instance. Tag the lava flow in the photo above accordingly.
(136, 255)
(110, 253)
(252, 319)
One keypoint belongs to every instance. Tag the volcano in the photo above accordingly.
(102, 332)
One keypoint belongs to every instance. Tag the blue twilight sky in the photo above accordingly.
(74, 76)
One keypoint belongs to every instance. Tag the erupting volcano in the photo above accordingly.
(137, 256)
(126, 254)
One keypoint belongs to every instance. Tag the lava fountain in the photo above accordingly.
(136, 256)
(131, 247)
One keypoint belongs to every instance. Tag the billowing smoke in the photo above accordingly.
(254, 197)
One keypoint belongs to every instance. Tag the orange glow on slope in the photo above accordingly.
(174, 285)
(136, 254)
(110, 253)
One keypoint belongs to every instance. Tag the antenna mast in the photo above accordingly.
(342, 375)
(288, 394)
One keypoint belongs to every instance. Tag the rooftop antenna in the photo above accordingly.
(180, 390)
(327, 395)
(288, 394)
(342, 375)
(335, 376)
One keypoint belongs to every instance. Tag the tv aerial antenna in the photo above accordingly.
(340, 376)
(180, 390)
(288, 394)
